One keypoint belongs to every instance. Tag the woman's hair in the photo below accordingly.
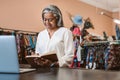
(57, 13)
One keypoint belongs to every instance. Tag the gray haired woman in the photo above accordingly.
(54, 38)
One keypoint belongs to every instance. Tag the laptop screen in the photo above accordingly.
(8, 54)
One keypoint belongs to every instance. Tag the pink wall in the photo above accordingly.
(26, 14)
(115, 15)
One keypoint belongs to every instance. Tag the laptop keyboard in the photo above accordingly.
(27, 69)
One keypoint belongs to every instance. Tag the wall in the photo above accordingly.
(26, 14)
(115, 15)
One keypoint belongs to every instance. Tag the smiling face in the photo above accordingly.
(50, 20)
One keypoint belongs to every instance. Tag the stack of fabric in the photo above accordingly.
(114, 57)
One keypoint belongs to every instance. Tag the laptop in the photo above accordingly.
(9, 57)
(9, 77)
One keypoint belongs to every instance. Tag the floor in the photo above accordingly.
(83, 74)
(64, 74)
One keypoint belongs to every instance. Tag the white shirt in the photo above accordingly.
(61, 42)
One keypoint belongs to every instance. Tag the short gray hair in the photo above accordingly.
(57, 13)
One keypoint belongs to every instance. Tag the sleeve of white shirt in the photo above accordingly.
(37, 49)
(68, 51)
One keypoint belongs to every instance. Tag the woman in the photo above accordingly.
(55, 38)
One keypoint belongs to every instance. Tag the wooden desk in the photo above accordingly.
(63, 74)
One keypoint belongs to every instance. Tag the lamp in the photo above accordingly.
(117, 21)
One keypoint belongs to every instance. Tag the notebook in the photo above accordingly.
(49, 55)
(9, 56)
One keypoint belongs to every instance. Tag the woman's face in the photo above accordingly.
(50, 20)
